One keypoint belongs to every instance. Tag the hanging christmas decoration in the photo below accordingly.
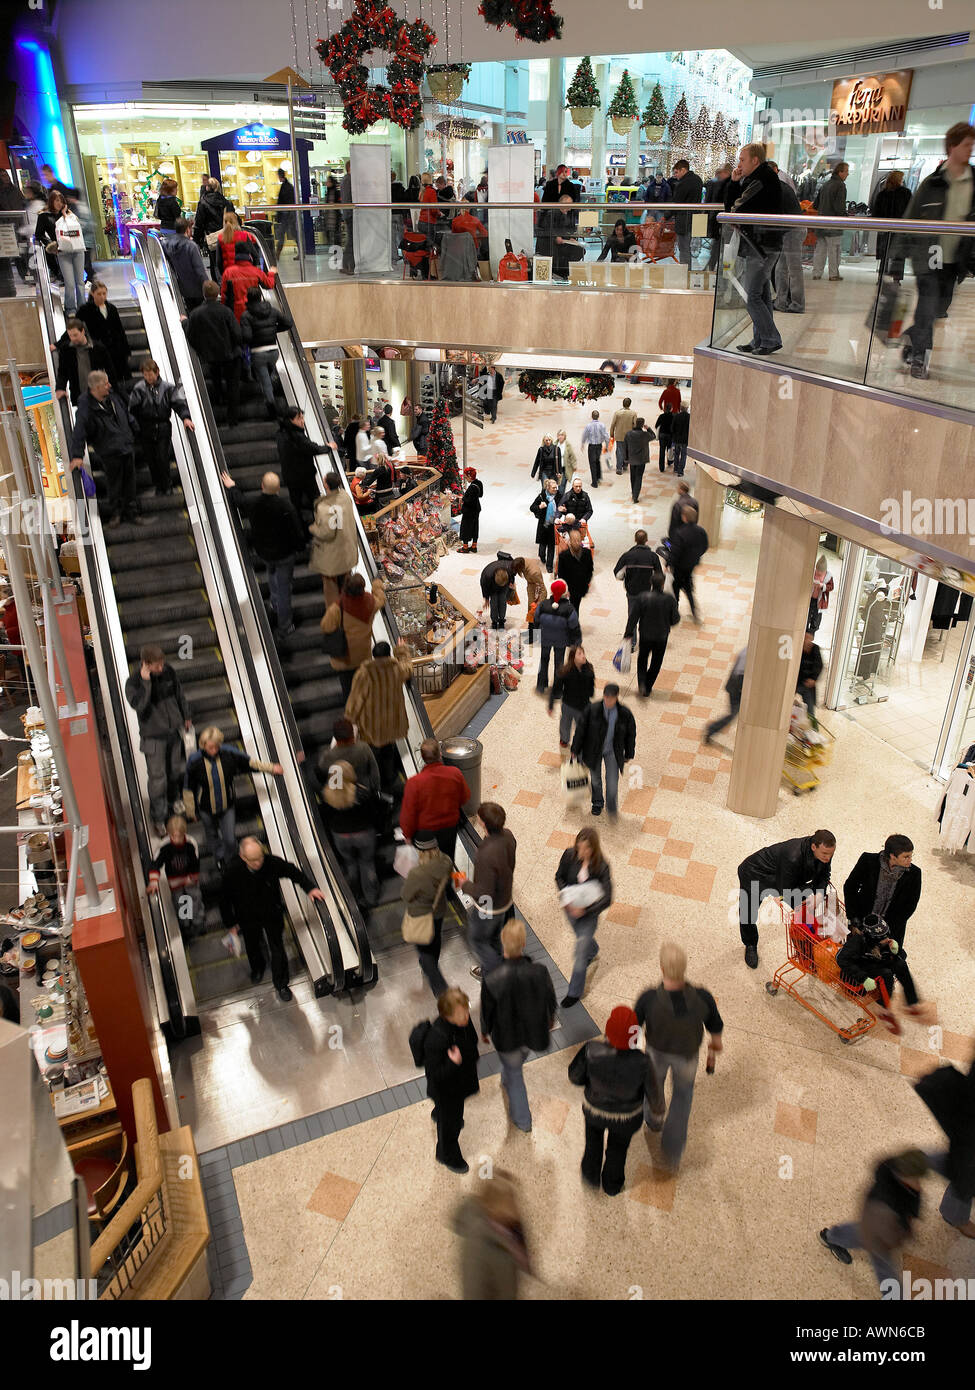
(680, 125)
(531, 19)
(373, 25)
(624, 108)
(582, 100)
(446, 80)
(145, 197)
(554, 386)
(654, 118)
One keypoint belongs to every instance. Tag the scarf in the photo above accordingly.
(550, 511)
(887, 881)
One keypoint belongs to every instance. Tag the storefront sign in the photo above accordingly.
(871, 105)
(257, 137)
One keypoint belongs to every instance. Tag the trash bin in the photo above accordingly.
(466, 754)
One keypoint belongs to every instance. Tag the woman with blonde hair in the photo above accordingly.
(424, 891)
(494, 1253)
(208, 221)
(231, 236)
(209, 792)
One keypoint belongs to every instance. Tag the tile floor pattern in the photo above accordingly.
(782, 1137)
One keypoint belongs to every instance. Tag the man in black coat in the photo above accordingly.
(790, 288)
(186, 260)
(250, 902)
(517, 1012)
(297, 454)
(104, 423)
(686, 187)
(679, 430)
(605, 737)
(810, 670)
(714, 191)
(156, 695)
(574, 566)
(214, 334)
(390, 436)
(559, 186)
(277, 538)
(285, 223)
(792, 870)
(77, 356)
(684, 499)
(638, 565)
(654, 614)
(888, 883)
(759, 247)
(687, 548)
(636, 449)
(664, 425)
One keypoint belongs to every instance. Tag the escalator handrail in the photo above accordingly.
(173, 1008)
(155, 262)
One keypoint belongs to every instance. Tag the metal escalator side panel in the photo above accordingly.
(169, 975)
(290, 816)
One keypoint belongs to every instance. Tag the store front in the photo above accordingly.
(247, 161)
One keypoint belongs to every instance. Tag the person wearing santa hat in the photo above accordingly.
(617, 1079)
(558, 624)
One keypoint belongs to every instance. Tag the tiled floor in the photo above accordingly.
(784, 1134)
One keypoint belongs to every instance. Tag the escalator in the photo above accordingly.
(161, 583)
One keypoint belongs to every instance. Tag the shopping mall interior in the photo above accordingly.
(343, 406)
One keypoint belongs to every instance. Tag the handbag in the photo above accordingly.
(513, 596)
(419, 931)
(575, 779)
(211, 240)
(336, 643)
(622, 659)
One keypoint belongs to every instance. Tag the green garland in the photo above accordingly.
(553, 386)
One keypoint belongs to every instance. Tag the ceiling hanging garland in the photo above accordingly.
(372, 25)
(556, 386)
(531, 19)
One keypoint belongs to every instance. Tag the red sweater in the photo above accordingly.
(237, 280)
(432, 800)
(672, 394)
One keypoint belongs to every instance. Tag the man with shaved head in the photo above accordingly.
(250, 902)
(276, 538)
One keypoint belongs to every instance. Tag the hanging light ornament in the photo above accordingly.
(679, 126)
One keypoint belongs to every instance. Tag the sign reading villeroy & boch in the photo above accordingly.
(871, 105)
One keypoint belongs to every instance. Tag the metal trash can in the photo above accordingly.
(466, 754)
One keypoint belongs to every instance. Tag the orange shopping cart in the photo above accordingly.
(813, 978)
(562, 529)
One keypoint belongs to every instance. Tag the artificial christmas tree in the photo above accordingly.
(654, 119)
(731, 141)
(701, 138)
(582, 99)
(680, 126)
(442, 453)
(624, 109)
(719, 137)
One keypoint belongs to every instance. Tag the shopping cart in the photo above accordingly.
(562, 529)
(813, 978)
(806, 750)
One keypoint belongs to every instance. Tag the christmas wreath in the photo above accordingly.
(371, 25)
(547, 386)
(530, 19)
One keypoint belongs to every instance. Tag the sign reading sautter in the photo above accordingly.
(871, 105)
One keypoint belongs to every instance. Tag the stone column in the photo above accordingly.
(779, 612)
(710, 501)
(555, 115)
(598, 127)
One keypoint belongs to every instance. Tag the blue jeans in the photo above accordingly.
(262, 361)
(513, 1081)
(955, 1209)
(847, 1234)
(756, 277)
(586, 951)
(484, 938)
(674, 1135)
(279, 575)
(620, 456)
(499, 608)
(358, 854)
(567, 722)
(221, 833)
(612, 782)
(72, 265)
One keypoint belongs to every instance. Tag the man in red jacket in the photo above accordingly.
(238, 278)
(434, 798)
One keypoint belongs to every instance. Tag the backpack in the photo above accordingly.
(418, 1041)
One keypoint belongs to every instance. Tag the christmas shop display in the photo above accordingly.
(411, 536)
(145, 197)
(582, 100)
(680, 125)
(554, 386)
(531, 19)
(374, 25)
(624, 109)
(446, 80)
(654, 118)
(442, 454)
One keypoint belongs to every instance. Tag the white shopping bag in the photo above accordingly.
(232, 943)
(772, 912)
(576, 779)
(405, 859)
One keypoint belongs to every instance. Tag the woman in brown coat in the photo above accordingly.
(354, 611)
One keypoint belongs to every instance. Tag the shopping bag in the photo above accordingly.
(622, 659)
(418, 931)
(87, 482)
(513, 596)
(575, 779)
(405, 859)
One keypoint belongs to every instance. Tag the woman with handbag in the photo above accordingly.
(60, 233)
(424, 893)
(545, 509)
(350, 812)
(585, 890)
(470, 513)
(208, 222)
(575, 686)
(347, 625)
